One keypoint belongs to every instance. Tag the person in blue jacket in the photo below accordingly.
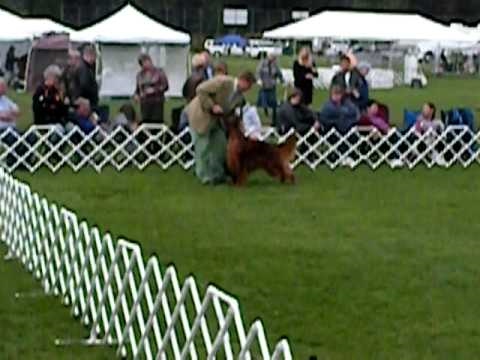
(339, 112)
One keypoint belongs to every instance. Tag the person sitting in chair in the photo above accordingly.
(430, 127)
(339, 112)
(294, 114)
(9, 111)
(252, 125)
(84, 118)
(374, 116)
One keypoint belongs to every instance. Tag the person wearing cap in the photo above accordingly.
(152, 84)
(294, 114)
(216, 98)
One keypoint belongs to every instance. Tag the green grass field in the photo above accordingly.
(347, 264)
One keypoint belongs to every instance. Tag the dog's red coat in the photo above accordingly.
(246, 155)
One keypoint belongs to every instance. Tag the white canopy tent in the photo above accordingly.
(122, 37)
(20, 32)
(367, 26)
(16, 28)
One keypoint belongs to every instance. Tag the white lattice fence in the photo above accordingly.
(126, 302)
(54, 148)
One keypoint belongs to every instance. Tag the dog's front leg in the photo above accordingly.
(242, 178)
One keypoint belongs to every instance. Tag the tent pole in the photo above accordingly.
(390, 58)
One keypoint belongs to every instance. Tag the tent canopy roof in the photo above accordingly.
(358, 25)
(15, 28)
(232, 40)
(130, 26)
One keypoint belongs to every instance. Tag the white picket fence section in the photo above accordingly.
(127, 303)
(157, 145)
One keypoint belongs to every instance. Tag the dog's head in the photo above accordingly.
(233, 122)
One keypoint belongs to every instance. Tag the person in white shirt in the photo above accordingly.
(252, 125)
(9, 111)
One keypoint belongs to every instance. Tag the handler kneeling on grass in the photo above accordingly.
(216, 97)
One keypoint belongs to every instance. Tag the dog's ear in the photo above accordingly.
(233, 120)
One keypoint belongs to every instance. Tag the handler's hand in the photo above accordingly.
(217, 109)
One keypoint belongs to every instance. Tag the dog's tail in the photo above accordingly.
(287, 149)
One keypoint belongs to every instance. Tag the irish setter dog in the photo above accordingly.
(245, 155)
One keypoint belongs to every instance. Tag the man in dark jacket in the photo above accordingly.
(294, 114)
(362, 97)
(347, 78)
(85, 77)
(10, 64)
(69, 77)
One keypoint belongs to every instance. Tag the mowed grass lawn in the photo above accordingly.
(347, 264)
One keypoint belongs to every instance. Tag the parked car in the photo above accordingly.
(215, 48)
(258, 48)
(235, 50)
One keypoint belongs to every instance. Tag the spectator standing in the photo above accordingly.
(48, 102)
(69, 79)
(268, 73)
(190, 87)
(196, 77)
(85, 77)
(152, 83)
(10, 60)
(304, 72)
(209, 71)
(348, 78)
(360, 96)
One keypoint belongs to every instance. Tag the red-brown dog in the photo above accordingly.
(246, 155)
